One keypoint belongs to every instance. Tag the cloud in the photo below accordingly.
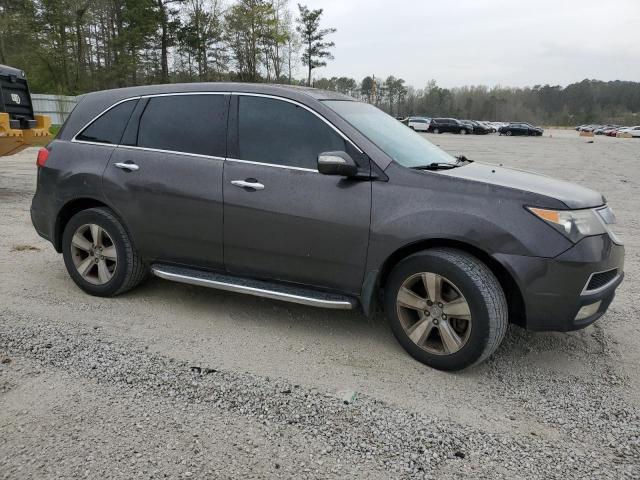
(484, 41)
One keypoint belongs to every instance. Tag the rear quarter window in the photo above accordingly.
(109, 127)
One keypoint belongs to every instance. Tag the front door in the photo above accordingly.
(282, 219)
(165, 180)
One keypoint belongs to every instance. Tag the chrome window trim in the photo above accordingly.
(174, 152)
(177, 94)
(177, 152)
(603, 287)
(97, 144)
(275, 165)
(128, 99)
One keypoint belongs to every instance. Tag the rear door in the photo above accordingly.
(165, 179)
(296, 225)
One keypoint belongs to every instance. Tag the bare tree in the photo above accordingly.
(316, 50)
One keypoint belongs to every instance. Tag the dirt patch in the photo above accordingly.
(25, 248)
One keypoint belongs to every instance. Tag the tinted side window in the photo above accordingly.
(282, 133)
(186, 123)
(110, 126)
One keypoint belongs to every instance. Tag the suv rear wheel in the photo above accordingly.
(446, 308)
(99, 254)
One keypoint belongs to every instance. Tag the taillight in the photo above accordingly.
(43, 155)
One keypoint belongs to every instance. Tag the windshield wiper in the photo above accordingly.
(461, 161)
(436, 166)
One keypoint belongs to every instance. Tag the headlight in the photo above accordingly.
(609, 219)
(574, 224)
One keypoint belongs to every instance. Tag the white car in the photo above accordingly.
(419, 124)
(633, 131)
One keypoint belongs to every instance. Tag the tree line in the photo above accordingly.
(588, 101)
(76, 46)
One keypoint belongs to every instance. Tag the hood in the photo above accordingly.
(572, 195)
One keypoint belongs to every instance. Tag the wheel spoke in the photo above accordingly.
(451, 341)
(433, 285)
(79, 241)
(96, 235)
(459, 308)
(110, 253)
(85, 266)
(409, 299)
(420, 331)
(103, 272)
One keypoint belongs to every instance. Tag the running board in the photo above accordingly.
(258, 288)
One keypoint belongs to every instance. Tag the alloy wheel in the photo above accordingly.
(433, 313)
(94, 254)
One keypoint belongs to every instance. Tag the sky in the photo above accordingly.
(483, 42)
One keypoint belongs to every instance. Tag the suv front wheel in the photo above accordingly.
(446, 308)
(99, 254)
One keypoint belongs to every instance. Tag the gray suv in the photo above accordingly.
(312, 197)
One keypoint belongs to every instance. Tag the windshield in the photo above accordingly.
(405, 146)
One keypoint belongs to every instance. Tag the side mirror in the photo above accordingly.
(337, 163)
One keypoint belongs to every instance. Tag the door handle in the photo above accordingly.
(245, 184)
(127, 166)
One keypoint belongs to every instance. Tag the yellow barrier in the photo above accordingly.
(586, 134)
(38, 136)
(14, 140)
(11, 139)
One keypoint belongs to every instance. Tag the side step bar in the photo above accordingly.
(258, 288)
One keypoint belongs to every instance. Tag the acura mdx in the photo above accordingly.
(312, 197)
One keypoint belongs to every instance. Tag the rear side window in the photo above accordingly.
(186, 123)
(109, 127)
(282, 133)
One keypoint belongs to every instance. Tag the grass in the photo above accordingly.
(54, 129)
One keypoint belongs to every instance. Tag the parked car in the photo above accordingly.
(478, 128)
(449, 125)
(315, 198)
(601, 129)
(520, 128)
(468, 123)
(490, 126)
(633, 131)
(420, 124)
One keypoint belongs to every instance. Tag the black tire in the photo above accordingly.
(463, 131)
(509, 133)
(436, 130)
(412, 128)
(130, 269)
(481, 289)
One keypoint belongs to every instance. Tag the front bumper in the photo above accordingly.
(554, 289)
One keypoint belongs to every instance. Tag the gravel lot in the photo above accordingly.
(177, 381)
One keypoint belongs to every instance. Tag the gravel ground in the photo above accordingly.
(183, 382)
